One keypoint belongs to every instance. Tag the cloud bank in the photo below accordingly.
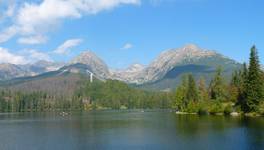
(33, 20)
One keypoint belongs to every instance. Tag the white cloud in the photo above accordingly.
(8, 57)
(38, 18)
(127, 46)
(8, 33)
(7, 9)
(22, 57)
(33, 55)
(38, 39)
(65, 48)
(10, 10)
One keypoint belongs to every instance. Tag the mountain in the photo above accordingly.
(41, 66)
(165, 72)
(173, 63)
(127, 74)
(64, 81)
(87, 58)
(167, 60)
(95, 64)
(46, 66)
(10, 71)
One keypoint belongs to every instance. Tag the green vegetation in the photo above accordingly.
(97, 95)
(243, 94)
(114, 94)
(254, 83)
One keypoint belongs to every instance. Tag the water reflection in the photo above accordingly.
(129, 130)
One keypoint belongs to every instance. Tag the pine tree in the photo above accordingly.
(241, 99)
(203, 94)
(180, 96)
(192, 92)
(217, 87)
(254, 83)
(236, 86)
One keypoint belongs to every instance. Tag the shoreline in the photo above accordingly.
(233, 114)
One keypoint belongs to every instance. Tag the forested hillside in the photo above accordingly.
(110, 94)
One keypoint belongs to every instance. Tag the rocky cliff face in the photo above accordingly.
(10, 71)
(129, 74)
(41, 66)
(167, 60)
(98, 67)
(171, 58)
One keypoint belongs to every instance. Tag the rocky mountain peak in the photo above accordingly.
(96, 64)
(192, 50)
(166, 61)
(171, 58)
(189, 54)
(191, 47)
(88, 58)
(8, 71)
(135, 67)
(88, 54)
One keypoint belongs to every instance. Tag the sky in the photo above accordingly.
(123, 32)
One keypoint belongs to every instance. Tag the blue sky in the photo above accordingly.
(122, 32)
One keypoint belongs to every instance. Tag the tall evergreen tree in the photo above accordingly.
(241, 99)
(218, 87)
(192, 92)
(203, 94)
(180, 95)
(254, 83)
(236, 87)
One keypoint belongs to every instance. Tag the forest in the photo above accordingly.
(244, 94)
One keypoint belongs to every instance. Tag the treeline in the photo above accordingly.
(110, 94)
(114, 94)
(15, 101)
(244, 94)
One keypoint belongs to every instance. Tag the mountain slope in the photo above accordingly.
(165, 72)
(176, 62)
(64, 81)
(95, 64)
(80, 69)
(10, 71)
(169, 59)
(128, 74)
(43, 66)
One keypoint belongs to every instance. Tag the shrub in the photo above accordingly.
(192, 107)
(203, 108)
(202, 111)
(215, 108)
(228, 109)
(261, 108)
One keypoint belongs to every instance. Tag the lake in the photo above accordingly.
(129, 130)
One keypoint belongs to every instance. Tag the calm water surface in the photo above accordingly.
(134, 130)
